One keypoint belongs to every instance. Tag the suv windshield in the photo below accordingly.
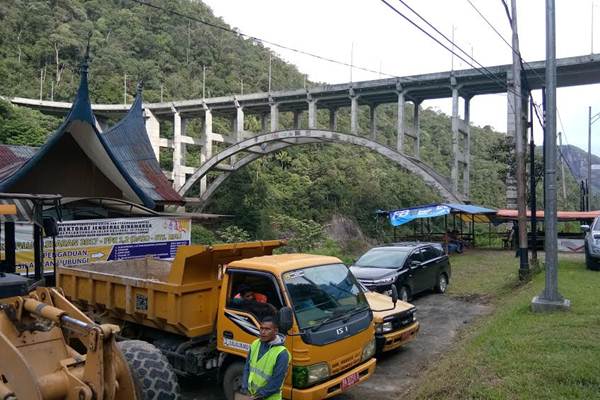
(596, 225)
(383, 257)
(323, 293)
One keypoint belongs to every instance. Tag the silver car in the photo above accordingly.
(592, 244)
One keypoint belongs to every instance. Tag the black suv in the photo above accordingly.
(412, 267)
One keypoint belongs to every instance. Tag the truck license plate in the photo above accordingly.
(350, 380)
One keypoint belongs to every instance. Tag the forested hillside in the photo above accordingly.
(300, 188)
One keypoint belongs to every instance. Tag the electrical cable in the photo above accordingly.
(445, 37)
(492, 76)
(257, 39)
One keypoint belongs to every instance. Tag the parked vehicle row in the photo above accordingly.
(410, 267)
(592, 244)
(195, 311)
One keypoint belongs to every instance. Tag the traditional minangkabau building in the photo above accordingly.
(78, 161)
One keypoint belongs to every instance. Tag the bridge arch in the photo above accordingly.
(267, 143)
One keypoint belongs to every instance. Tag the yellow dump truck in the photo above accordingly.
(190, 308)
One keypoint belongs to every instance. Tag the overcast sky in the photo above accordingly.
(382, 40)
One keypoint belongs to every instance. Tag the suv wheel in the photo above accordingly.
(589, 261)
(442, 283)
(404, 293)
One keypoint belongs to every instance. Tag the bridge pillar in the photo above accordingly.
(238, 122)
(467, 148)
(454, 170)
(333, 119)
(353, 113)
(373, 120)
(274, 116)
(263, 123)
(312, 114)
(400, 122)
(461, 143)
(417, 128)
(206, 143)
(511, 128)
(178, 174)
(297, 116)
(153, 129)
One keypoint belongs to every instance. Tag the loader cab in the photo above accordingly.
(17, 209)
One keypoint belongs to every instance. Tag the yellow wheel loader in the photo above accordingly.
(49, 350)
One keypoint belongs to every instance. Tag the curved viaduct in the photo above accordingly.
(267, 107)
(267, 143)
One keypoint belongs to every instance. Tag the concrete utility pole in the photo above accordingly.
(532, 185)
(592, 34)
(270, 66)
(519, 148)
(591, 120)
(124, 88)
(589, 166)
(550, 299)
(351, 60)
(203, 82)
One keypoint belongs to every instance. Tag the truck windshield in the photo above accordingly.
(323, 293)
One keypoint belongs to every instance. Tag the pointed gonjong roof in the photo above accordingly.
(80, 161)
(131, 147)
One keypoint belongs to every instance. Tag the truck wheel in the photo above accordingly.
(153, 376)
(232, 379)
(442, 283)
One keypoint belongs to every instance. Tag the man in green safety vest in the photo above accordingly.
(267, 363)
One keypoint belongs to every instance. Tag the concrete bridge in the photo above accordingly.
(245, 146)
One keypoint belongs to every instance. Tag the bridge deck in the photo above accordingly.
(571, 71)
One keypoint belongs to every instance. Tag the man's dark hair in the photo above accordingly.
(243, 289)
(270, 319)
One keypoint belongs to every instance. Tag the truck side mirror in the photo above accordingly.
(394, 295)
(585, 228)
(285, 319)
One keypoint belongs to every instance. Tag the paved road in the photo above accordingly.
(441, 319)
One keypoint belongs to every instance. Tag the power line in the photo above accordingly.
(503, 39)
(257, 39)
(445, 37)
(490, 24)
(491, 76)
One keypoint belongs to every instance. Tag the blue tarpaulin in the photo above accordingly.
(402, 216)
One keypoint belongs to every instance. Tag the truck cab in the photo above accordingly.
(331, 339)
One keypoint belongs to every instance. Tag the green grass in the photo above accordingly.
(514, 353)
(482, 274)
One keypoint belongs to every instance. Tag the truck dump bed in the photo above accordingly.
(179, 296)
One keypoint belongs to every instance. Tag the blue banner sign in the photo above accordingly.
(400, 217)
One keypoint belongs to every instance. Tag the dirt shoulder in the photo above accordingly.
(442, 318)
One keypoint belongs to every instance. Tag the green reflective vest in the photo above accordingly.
(261, 370)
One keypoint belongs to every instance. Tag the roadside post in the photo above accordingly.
(550, 299)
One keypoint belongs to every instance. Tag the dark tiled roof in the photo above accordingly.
(130, 145)
(12, 158)
(126, 145)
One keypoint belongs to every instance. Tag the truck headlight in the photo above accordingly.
(384, 327)
(368, 351)
(304, 376)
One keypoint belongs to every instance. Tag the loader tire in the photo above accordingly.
(153, 376)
